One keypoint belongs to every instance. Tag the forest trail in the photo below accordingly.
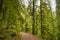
(28, 36)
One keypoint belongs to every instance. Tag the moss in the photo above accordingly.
(9, 34)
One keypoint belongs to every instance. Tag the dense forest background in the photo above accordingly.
(38, 17)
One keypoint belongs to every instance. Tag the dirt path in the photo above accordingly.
(28, 36)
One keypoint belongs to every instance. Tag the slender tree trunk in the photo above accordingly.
(58, 16)
(1, 4)
(33, 28)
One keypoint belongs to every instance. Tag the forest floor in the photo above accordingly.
(28, 36)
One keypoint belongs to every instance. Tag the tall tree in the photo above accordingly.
(46, 21)
(9, 19)
(58, 16)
